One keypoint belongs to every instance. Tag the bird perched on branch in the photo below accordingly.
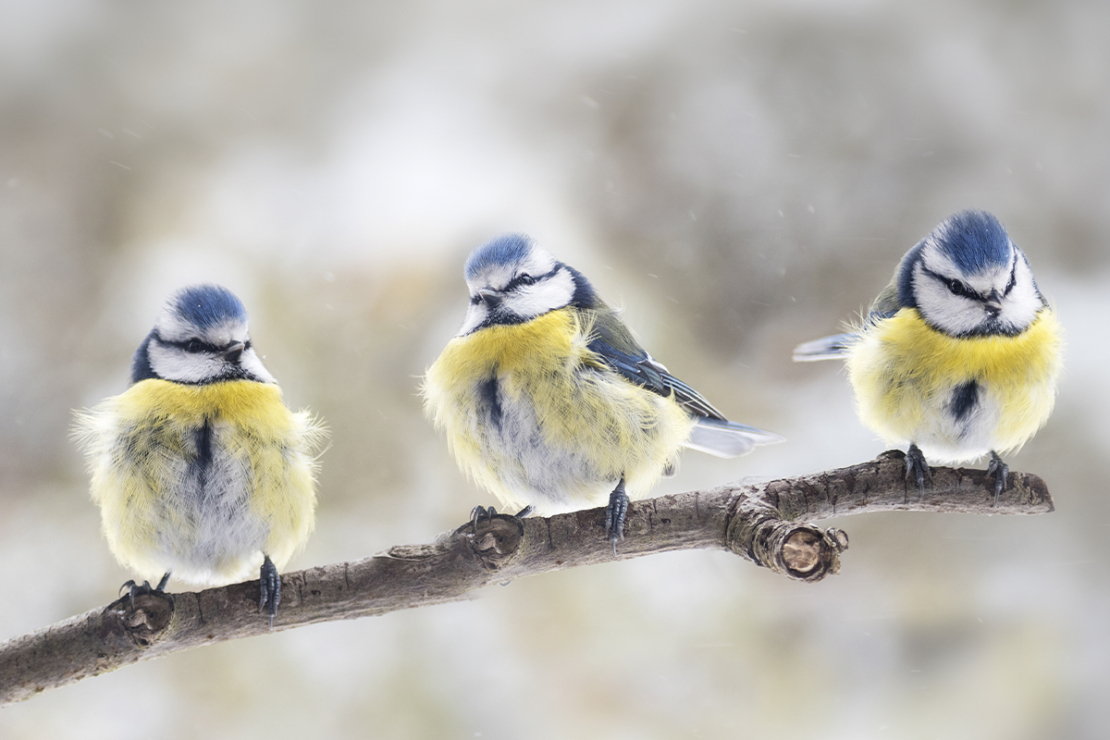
(549, 402)
(199, 468)
(959, 356)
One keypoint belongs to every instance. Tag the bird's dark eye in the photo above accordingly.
(958, 288)
(194, 345)
(525, 279)
(475, 299)
(246, 345)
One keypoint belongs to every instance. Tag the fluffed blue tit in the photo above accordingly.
(959, 356)
(549, 402)
(199, 468)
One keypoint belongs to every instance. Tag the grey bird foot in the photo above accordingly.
(917, 470)
(615, 514)
(1001, 473)
(270, 586)
(135, 589)
(478, 513)
(486, 514)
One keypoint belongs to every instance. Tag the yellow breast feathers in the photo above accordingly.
(903, 371)
(591, 425)
(141, 446)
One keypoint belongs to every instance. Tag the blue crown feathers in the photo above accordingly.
(974, 241)
(500, 251)
(206, 306)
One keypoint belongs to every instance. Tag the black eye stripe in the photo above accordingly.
(959, 288)
(954, 286)
(193, 345)
(522, 280)
(1013, 277)
(528, 279)
(518, 281)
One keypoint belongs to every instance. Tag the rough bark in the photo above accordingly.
(766, 523)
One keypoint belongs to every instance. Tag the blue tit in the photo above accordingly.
(199, 468)
(959, 356)
(549, 402)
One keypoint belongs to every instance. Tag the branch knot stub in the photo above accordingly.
(758, 532)
(810, 554)
(146, 622)
(495, 541)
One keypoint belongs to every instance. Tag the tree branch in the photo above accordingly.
(763, 523)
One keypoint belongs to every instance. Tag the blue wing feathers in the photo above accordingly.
(614, 345)
(646, 372)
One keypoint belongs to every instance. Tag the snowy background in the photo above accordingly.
(740, 176)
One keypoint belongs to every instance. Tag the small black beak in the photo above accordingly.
(993, 304)
(490, 298)
(233, 351)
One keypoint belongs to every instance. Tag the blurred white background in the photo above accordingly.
(740, 176)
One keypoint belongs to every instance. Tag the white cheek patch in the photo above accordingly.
(174, 363)
(523, 302)
(1021, 305)
(951, 313)
(959, 315)
(250, 362)
(475, 317)
(550, 293)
